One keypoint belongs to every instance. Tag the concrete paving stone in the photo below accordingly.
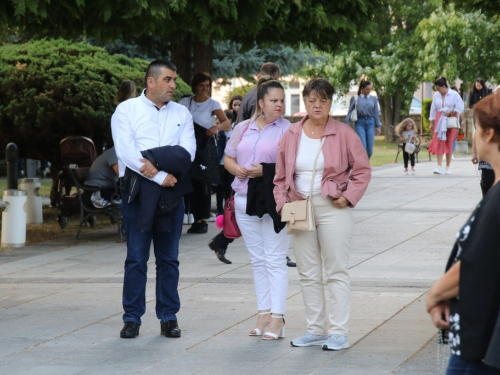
(60, 308)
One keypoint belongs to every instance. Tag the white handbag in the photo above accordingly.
(299, 214)
(409, 148)
(452, 123)
(354, 114)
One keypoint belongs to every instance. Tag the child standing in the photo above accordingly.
(406, 130)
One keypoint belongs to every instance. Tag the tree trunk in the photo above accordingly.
(390, 109)
(203, 55)
(182, 58)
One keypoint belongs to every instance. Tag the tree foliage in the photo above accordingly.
(459, 45)
(50, 89)
(386, 54)
(324, 23)
(488, 7)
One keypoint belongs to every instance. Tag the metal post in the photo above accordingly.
(12, 157)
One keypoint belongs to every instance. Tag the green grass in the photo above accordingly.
(43, 191)
(383, 152)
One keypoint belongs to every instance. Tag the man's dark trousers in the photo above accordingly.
(166, 250)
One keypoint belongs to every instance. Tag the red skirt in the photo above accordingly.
(438, 147)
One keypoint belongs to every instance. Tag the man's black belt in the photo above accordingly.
(359, 116)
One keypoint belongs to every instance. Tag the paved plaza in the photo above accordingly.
(60, 301)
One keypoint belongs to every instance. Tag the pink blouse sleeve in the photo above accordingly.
(234, 141)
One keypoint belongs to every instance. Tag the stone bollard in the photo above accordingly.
(14, 218)
(34, 211)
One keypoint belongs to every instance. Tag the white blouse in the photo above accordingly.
(452, 99)
(304, 164)
(202, 112)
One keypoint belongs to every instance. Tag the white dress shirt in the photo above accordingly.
(452, 100)
(139, 125)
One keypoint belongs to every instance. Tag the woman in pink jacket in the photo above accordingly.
(342, 176)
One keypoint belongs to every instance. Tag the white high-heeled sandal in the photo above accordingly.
(274, 336)
(258, 332)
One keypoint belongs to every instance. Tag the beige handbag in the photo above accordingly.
(299, 215)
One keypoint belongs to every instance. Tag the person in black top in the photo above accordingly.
(466, 299)
(487, 176)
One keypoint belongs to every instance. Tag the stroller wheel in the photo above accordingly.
(62, 220)
(92, 221)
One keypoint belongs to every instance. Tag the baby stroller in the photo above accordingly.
(76, 151)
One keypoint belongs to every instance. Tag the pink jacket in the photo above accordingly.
(347, 168)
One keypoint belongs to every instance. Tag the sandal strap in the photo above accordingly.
(278, 316)
(265, 313)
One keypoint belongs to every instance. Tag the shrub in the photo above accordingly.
(426, 110)
(50, 89)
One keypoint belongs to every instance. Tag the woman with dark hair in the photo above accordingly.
(466, 299)
(126, 91)
(204, 111)
(446, 107)
(337, 183)
(487, 175)
(251, 155)
(479, 91)
(367, 123)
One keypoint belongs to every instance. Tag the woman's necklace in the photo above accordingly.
(317, 129)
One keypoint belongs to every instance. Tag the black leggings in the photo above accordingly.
(407, 156)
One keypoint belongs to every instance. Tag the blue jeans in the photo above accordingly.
(166, 250)
(459, 366)
(365, 128)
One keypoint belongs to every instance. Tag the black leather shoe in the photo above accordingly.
(289, 262)
(198, 228)
(170, 329)
(130, 330)
(219, 251)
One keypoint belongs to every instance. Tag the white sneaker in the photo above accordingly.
(190, 219)
(212, 217)
(413, 171)
(448, 170)
(185, 220)
(438, 170)
(452, 157)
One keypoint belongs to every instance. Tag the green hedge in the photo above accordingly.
(50, 89)
(426, 110)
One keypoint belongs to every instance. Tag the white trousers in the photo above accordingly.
(322, 258)
(268, 251)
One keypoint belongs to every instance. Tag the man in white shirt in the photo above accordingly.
(149, 121)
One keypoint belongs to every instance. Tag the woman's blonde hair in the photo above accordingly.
(402, 126)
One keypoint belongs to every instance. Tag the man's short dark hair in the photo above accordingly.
(270, 69)
(441, 82)
(154, 69)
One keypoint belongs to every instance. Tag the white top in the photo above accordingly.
(139, 125)
(202, 112)
(452, 100)
(304, 164)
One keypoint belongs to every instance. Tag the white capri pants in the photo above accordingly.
(325, 250)
(268, 251)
